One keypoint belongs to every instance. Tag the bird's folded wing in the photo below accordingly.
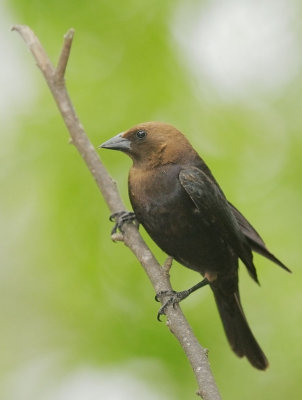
(254, 239)
(216, 212)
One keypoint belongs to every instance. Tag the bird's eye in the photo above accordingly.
(141, 134)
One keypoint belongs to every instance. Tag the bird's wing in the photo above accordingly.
(254, 239)
(216, 212)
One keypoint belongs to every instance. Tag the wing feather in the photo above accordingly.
(256, 242)
(216, 211)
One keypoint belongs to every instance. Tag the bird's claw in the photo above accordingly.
(174, 298)
(120, 218)
(164, 293)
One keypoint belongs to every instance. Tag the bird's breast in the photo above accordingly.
(156, 192)
(162, 206)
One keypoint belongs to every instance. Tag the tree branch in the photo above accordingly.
(158, 276)
(64, 56)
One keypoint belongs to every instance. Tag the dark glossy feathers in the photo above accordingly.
(214, 208)
(254, 239)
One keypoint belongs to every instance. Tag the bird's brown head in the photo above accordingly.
(151, 144)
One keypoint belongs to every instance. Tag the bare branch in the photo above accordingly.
(168, 264)
(158, 276)
(35, 47)
(64, 56)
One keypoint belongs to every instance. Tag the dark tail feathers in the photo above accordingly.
(237, 329)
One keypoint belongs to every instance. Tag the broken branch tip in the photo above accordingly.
(70, 33)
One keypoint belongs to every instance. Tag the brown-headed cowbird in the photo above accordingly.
(178, 201)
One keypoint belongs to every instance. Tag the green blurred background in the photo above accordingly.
(78, 319)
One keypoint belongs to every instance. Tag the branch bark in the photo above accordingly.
(159, 277)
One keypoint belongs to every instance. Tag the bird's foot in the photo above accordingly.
(176, 297)
(120, 218)
(173, 298)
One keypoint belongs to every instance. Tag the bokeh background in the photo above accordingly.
(78, 319)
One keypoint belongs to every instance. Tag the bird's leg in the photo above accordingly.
(176, 297)
(120, 218)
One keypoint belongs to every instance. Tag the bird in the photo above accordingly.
(176, 198)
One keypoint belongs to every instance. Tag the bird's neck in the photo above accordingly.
(165, 155)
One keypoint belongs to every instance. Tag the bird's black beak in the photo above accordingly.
(118, 142)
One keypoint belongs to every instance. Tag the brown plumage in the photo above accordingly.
(178, 201)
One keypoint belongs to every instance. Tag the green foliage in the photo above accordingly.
(66, 289)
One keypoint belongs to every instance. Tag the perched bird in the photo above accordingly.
(178, 201)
